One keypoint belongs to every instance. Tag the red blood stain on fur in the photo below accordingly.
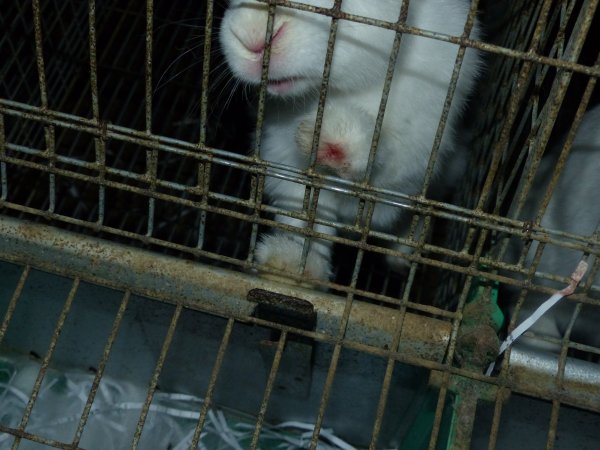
(332, 153)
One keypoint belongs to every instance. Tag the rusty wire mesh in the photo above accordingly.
(104, 130)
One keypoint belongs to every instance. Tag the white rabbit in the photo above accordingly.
(574, 208)
(360, 59)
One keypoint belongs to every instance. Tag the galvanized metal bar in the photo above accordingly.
(39, 53)
(323, 89)
(100, 370)
(385, 93)
(402, 354)
(257, 194)
(389, 370)
(155, 375)
(146, 273)
(3, 176)
(341, 336)
(93, 59)
(204, 187)
(46, 361)
(552, 429)
(148, 65)
(501, 396)
(206, 71)
(391, 362)
(314, 441)
(12, 304)
(204, 169)
(264, 77)
(439, 411)
(559, 379)
(311, 194)
(383, 396)
(534, 373)
(309, 225)
(100, 148)
(367, 294)
(268, 389)
(214, 376)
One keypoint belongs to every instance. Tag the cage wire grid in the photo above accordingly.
(69, 149)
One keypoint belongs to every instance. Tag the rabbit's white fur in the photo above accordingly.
(359, 65)
(574, 208)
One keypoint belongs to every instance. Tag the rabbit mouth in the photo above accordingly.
(282, 86)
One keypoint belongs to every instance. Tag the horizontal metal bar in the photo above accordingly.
(209, 289)
(534, 373)
(458, 40)
(245, 264)
(367, 193)
(370, 328)
(35, 438)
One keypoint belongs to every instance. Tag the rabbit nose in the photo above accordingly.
(257, 45)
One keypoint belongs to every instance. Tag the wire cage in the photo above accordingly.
(132, 200)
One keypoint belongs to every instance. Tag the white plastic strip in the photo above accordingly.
(171, 421)
(576, 277)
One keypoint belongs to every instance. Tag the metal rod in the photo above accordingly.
(100, 370)
(268, 390)
(155, 375)
(12, 304)
(46, 361)
(214, 376)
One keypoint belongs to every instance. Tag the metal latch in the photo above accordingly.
(296, 368)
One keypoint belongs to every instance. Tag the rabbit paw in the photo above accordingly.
(344, 143)
(283, 253)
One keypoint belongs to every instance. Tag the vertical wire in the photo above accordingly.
(99, 141)
(514, 103)
(39, 53)
(386, 90)
(100, 371)
(49, 129)
(310, 192)
(155, 375)
(439, 410)
(206, 71)
(264, 78)
(501, 395)
(151, 154)
(341, 334)
(558, 92)
(214, 376)
(3, 175)
(553, 425)
(46, 361)
(12, 304)
(268, 390)
(93, 59)
(204, 169)
(148, 65)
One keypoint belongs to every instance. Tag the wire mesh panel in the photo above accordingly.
(130, 122)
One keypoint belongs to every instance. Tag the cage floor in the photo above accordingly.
(184, 379)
